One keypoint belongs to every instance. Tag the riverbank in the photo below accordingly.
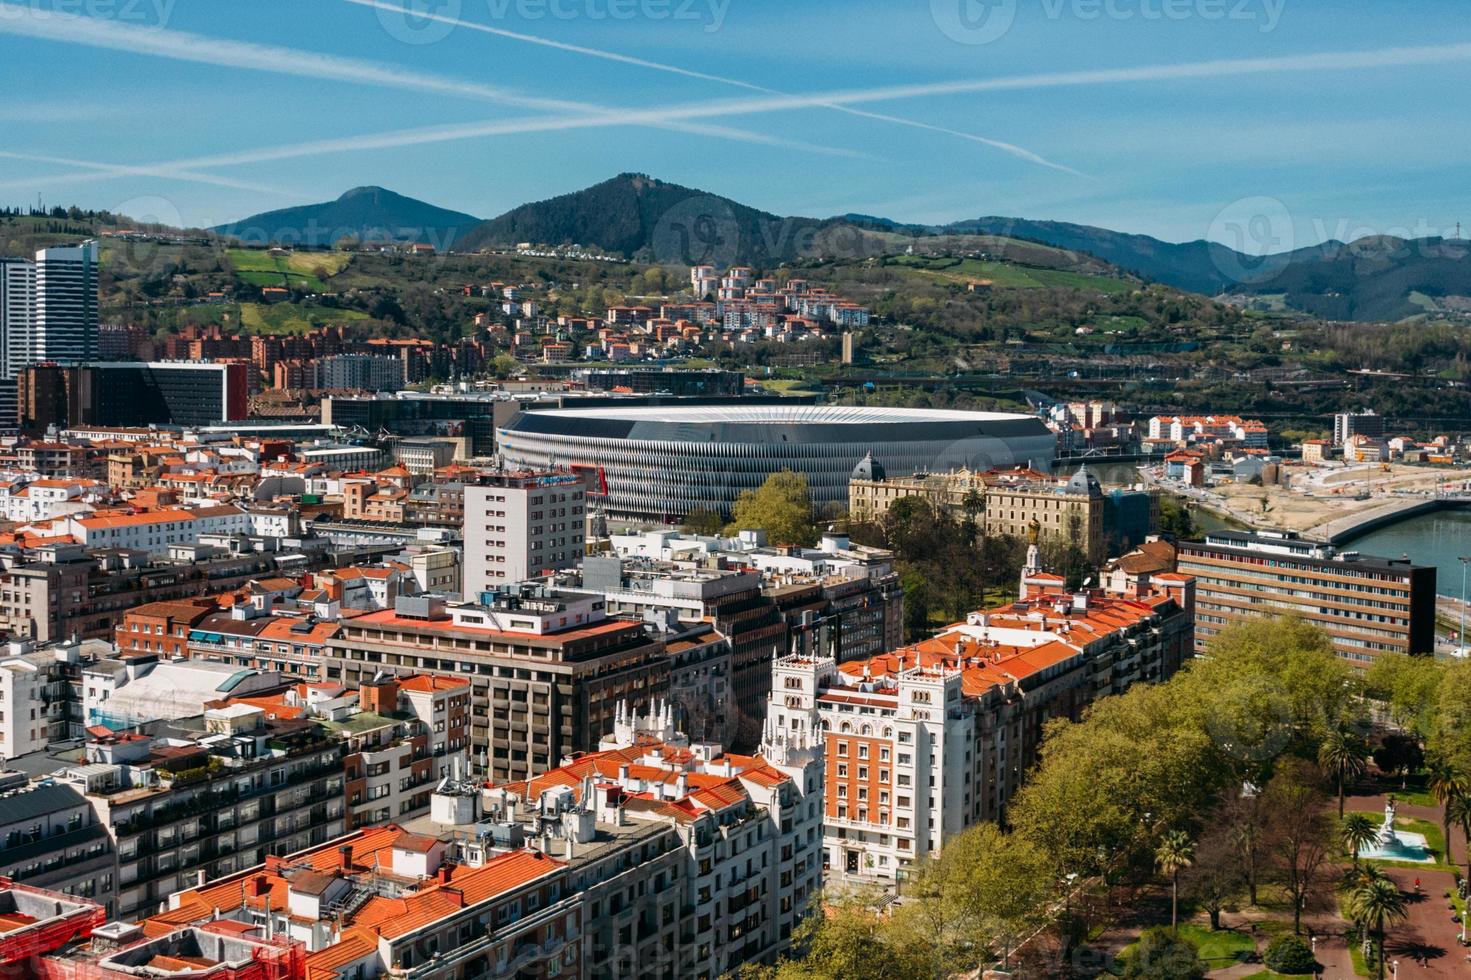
(1349, 527)
(1334, 501)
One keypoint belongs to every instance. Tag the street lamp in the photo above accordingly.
(1461, 636)
(1394, 968)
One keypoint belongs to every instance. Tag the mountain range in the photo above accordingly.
(643, 218)
(365, 213)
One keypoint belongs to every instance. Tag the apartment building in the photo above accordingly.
(928, 740)
(50, 838)
(731, 599)
(383, 901)
(366, 372)
(407, 736)
(700, 687)
(520, 525)
(65, 323)
(689, 860)
(17, 314)
(854, 584)
(210, 797)
(40, 700)
(1368, 606)
(1186, 430)
(1346, 425)
(245, 635)
(547, 667)
(155, 531)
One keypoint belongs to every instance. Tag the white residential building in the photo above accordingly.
(39, 500)
(724, 850)
(65, 325)
(154, 531)
(17, 313)
(518, 525)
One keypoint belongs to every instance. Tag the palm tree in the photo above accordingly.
(1364, 874)
(973, 503)
(1344, 756)
(1458, 811)
(1446, 783)
(1377, 902)
(1356, 832)
(1174, 855)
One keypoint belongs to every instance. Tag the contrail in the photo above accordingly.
(118, 170)
(1011, 148)
(202, 49)
(1334, 61)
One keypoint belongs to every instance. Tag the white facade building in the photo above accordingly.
(17, 313)
(518, 525)
(66, 305)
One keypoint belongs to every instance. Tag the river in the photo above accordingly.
(1438, 538)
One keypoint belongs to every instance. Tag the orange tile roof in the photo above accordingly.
(430, 683)
(354, 945)
(134, 520)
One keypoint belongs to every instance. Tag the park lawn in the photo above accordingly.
(1361, 965)
(1218, 948)
(287, 318)
(786, 386)
(1418, 795)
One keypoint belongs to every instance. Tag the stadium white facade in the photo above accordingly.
(662, 462)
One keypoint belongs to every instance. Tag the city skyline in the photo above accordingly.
(1296, 111)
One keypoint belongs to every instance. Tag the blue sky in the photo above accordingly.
(1333, 118)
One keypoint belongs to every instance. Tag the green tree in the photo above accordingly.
(1162, 954)
(1450, 736)
(702, 521)
(853, 942)
(1174, 854)
(1290, 955)
(1344, 756)
(1136, 762)
(1175, 518)
(1410, 686)
(782, 507)
(1378, 904)
(1356, 832)
(1459, 812)
(504, 366)
(1446, 783)
(1399, 754)
(995, 886)
(1271, 686)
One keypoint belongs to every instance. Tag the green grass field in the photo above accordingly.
(308, 270)
(1004, 275)
(1219, 948)
(284, 318)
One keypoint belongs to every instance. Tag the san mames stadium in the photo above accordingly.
(662, 462)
